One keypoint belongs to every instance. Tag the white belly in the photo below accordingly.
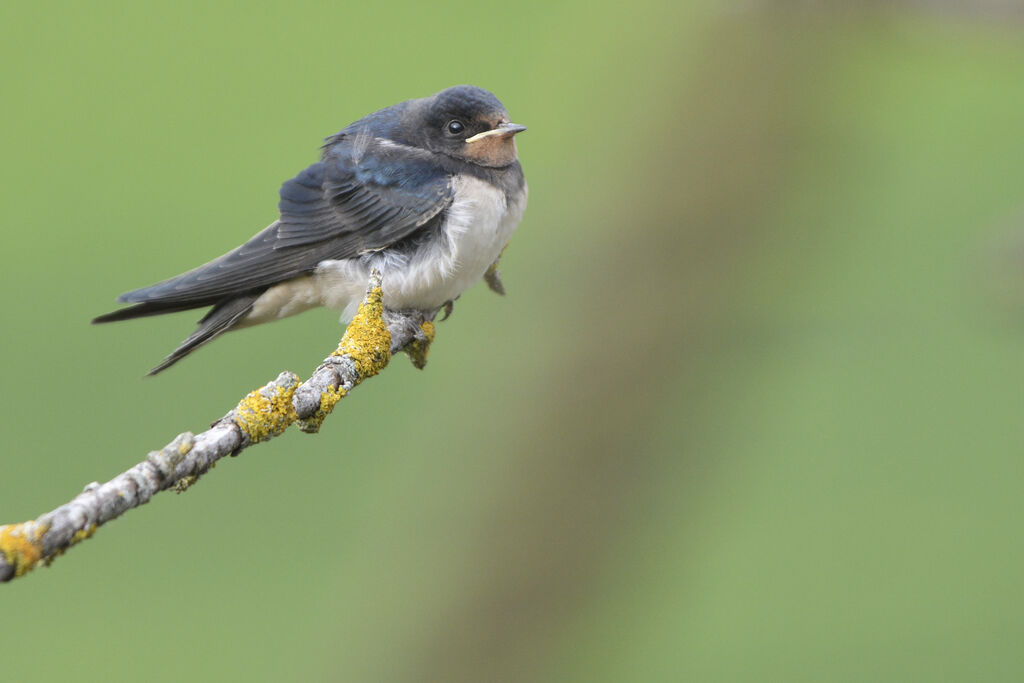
(478, 225)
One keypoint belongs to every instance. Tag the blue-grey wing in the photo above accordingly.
(363, 196)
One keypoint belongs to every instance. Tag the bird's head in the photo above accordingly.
(468, 123)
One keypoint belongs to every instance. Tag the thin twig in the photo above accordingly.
(365, 349)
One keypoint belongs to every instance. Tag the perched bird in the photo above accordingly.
(427, 191)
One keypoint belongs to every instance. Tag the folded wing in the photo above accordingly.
(337, 208)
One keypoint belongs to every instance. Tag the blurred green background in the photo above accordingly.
(750, 411)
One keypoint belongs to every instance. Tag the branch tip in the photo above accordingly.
(419, 347)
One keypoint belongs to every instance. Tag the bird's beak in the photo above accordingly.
(503, 130)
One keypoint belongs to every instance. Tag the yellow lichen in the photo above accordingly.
(20, 545)
(367, 340)
(184, 483)
(188, 480)
(76, 537)
(83, 534)
(419, 348)
(185, 447)
(328, 399)
(261, 418)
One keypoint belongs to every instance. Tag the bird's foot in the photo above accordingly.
(448, 307)
(493, 279)
(417, 325)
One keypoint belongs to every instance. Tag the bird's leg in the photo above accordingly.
(493, 278)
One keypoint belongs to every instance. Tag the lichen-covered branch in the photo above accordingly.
(367, 346)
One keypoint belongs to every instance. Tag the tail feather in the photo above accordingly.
(219, 320)
(143, 310)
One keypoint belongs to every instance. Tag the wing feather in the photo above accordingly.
(336, 208)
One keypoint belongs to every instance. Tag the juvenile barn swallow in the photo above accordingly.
(426, 191)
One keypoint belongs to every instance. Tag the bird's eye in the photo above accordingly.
(455, 127)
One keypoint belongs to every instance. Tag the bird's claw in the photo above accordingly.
(493, 279)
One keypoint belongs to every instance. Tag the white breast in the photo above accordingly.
(477, 227)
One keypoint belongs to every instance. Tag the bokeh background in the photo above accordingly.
(750, 411)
